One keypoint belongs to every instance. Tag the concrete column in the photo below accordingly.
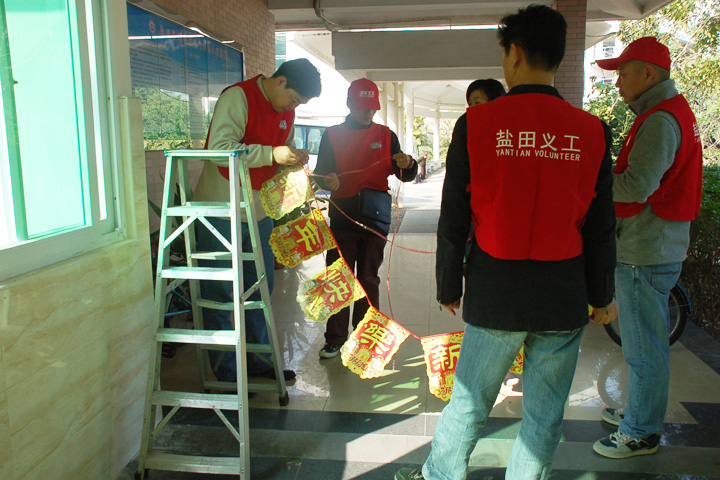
(392, 106)
(381, 116)
(436, 135)
(409, 118)
(400, 94)
(569, 79)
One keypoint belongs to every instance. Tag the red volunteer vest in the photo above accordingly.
(364, 152)
(534, 162)
(680, 191)
(265, 127)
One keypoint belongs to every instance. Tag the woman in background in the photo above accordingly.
(483, 91)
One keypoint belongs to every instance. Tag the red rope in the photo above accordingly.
(373, 231)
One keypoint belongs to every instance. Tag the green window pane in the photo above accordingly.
(44, 54)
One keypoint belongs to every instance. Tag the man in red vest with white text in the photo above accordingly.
(356, 158)
(256, 114)
(657, 190)
(534, 174)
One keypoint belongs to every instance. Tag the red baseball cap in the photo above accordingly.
(363, 95)
(646, 49)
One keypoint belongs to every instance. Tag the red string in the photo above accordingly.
(375, 232)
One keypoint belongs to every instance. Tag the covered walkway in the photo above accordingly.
(339, 426)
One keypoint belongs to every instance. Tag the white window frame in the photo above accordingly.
(102, 138)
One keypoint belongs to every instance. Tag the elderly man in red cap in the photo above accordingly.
(356, 158)
(657, 189)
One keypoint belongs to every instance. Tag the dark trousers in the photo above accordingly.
(363, 251)
(255, 325)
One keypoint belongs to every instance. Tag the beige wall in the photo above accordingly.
(74, 351)
(248, 22)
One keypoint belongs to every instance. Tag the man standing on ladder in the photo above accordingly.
(257, 115)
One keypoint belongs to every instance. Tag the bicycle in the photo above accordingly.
(680, 311)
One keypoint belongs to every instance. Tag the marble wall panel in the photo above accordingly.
(6, 470)
(74, 350)
(66, 463)
(52, 404)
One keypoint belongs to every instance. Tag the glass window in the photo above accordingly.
(299, 136)
(56, 171)
(314, 136)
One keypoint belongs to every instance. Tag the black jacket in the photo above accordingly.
(326, 164)
(523, 295)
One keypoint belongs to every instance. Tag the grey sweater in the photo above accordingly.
(647, 239)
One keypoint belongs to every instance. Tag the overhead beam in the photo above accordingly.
(426, 74)
(399, 50)
(353, 14)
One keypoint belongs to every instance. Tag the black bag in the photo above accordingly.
(375, 209)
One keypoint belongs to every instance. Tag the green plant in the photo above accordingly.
(701, 271)
(606, 103)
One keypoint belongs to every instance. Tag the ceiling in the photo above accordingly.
(439, 55)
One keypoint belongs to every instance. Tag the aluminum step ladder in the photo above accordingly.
(168, 278)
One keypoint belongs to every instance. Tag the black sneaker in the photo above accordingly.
(330, 350)
(270, 373)
(409, 474)
(619, 445)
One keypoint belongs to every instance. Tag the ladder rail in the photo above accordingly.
(163, 262)
(260, 271)
(192, 214)
(237, 197)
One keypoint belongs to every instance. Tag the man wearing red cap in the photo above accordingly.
(657, 189)
(356, 159)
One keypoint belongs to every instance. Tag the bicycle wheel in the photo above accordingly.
(679, 306)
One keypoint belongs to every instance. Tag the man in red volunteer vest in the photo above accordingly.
(534, 174)
(256, 114)
(657, 188)
(356, 158)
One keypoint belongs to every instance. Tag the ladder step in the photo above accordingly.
(211, 256)
(232, 387)
(246, 256)
(199, 273)
(249, 305)
(200, 337)
(195, 400)
(250, 347)
(201, 209)
(192, 463)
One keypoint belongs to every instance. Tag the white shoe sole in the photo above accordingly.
(616, 455)
(329, 355)
(605, 417)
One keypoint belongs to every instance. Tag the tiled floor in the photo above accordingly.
(338, 426)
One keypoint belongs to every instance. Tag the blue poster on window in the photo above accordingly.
(178, 73)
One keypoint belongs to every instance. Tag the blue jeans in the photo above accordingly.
(642, 294)
(255, 326)
(485, 358)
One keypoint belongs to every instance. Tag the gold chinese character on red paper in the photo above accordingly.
(444, 357)
(329, 291)
(441, 354)
(372, 344)
(301, 239)
(517, 366)
(285, 192)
